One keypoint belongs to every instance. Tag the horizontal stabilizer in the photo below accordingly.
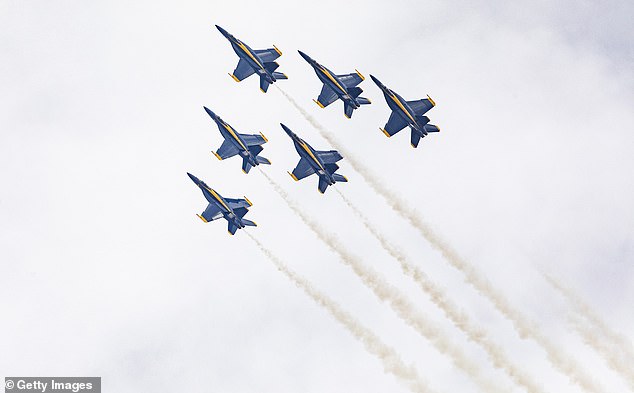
(340, 178)
(431, 128)
(323, 184)
(249, 223)
(264, 85)
(347, 110)
(415, 138)
(262, 160)
(280, 75)
(246, 165)
(272, 66)
(363, 101)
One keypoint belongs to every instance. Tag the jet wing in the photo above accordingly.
(351, 80)
(420, 107)
(302, 169)
(253, 140)
(326, 97)
(226, 150)
(394, 124)
(268, 55)
(242, 71)
(237, 203)
(212, 212)
(329, 157)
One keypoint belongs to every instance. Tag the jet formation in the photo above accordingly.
(322, 163)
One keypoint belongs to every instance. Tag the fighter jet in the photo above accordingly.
(313, 161)
(231, 210)
(247, 146)
(343, 87)
(407, 113)
(259, 61)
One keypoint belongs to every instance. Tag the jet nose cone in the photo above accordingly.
(305, 56)
(378, 82)
(223, 31)
(194, 178)
(287, 130)
(210, 112)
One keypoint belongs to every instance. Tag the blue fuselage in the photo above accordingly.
(231, 135)
(331, 80)
(213, 197)
(306, 151)
(400, 106)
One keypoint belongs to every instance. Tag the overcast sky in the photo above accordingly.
(106, 271)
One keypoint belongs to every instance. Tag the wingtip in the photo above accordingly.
(360, 75)
(279, 52)
(385, 132)
(217, 155)
(293, 176)
(248, 201)
(318, 103)
(433, 103)
(202, 218)
(234, 78)
(263, 137)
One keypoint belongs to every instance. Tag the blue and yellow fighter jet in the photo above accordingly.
(407, 113)
(247, 146)
(231, 210)
(313, 161)
(259, 61)
(343, 87)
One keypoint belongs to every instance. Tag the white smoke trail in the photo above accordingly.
(407, 311)
(615, 349)
(451, 310)
(392, 362)
(524, 327)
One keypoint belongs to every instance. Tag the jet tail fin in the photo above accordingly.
(280, 75)
(355, 91)
(339, 178)
(271, 66)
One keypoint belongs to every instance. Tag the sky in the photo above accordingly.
(105, 269)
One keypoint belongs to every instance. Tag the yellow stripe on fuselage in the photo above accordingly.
(325, 71)
(303, 145)
(233, 134)
(248, 52)
(215, 195)
(398, 102)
